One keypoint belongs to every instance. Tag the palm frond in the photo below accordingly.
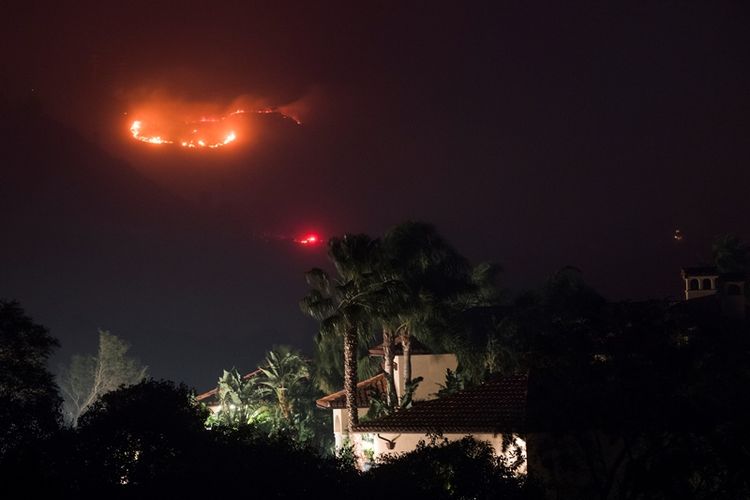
(318, 280)
(317, 305)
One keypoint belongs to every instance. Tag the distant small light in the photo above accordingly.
(308, 239)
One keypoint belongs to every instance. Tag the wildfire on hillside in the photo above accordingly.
(195, 127)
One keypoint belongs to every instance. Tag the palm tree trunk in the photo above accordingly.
(284, 404)
(388, 355)
(406, 344)
(350, 376)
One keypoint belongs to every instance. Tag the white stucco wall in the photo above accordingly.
(431, 367)
(341, 424)
(405, 442)
(702, 291)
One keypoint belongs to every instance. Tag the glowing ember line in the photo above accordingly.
(267, 111)
(135, 129)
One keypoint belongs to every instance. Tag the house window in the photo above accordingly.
(694, 284)
(734, 289)
(707, 285)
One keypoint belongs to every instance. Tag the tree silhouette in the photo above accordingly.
(144, 434)
(30, 408)
(90, 377)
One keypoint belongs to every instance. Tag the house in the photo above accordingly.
(723, 293)
(493, 412)
(432, 367)
(337, 403)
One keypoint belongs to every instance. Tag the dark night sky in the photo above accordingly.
(531, 134)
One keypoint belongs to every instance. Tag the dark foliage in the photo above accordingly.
(30, 408)
(441, 470)
(633, 400)
(143, 434)
(148, 441)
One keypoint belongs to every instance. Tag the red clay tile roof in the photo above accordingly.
(364, 391)
(497, 406)
(211, 397)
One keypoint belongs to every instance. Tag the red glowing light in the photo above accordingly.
(308, 239)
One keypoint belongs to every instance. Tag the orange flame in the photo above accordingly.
(205, 132)
(135, 129)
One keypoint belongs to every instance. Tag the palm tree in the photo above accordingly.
(241, 401)
(389, 344)
(410, 283)
(328, 367)
(436, 281)
(282, 374)
(345, 305)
